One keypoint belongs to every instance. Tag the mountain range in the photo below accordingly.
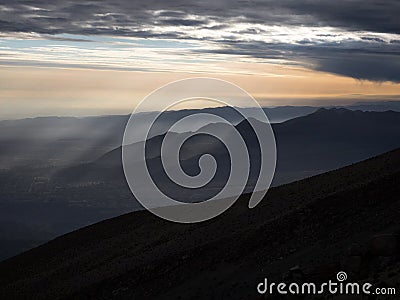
(321, 141)
(62, 141)
(343, 220)
(44, 199)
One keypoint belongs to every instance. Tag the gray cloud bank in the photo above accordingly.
(369, 57)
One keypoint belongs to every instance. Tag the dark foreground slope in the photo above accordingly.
(310, 223)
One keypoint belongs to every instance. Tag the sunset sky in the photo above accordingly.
(102, 57)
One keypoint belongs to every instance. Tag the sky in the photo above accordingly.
(102, 57)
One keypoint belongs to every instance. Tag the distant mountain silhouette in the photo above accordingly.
(311, 223)
(324, 140)
(332, 138)
(375, 106)
(67, 140)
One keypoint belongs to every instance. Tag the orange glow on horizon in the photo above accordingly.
(32, 91)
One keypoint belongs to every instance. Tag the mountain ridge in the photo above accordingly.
(118, 258)
(355, 135)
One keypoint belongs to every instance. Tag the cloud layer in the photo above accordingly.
(360, 39)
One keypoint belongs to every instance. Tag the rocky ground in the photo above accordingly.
(345, 220)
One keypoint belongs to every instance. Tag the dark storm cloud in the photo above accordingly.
(379, 16)
(375, 68)
(182, 22)
(371, 58)
(71, 16)
(358, 59)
